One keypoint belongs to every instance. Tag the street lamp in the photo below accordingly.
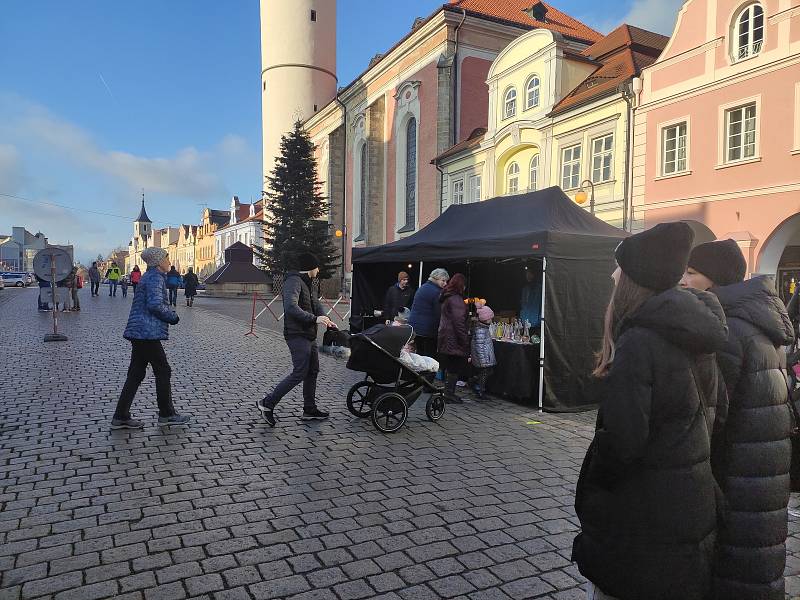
(581, 196)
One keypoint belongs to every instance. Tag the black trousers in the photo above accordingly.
(95, 288)
(142, 353)
(426, 346)
(173, 295)
(305, 368)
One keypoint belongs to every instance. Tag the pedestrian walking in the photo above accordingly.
(425, 312)
(302, 314)
(646, 496)
(94, 279)
(42, 305)
(113, 274)
(75, 283)
(190, 283)
(65, 293)
(148, 325)
(751, 547)
(398, 297)
(173, 283)
(453, 340)
(136, 275)
(123, 285)
(483, 358)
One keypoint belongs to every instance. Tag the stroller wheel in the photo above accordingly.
(359, 401)
(389, 413)
(435, 407)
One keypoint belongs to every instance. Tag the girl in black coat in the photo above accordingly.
(751, 553)
(646, 496)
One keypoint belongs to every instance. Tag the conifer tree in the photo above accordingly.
(295, 210)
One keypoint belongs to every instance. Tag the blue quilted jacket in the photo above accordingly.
(150, 312)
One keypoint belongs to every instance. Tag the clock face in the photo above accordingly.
(45, 260)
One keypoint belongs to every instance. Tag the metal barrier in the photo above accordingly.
(331, 305)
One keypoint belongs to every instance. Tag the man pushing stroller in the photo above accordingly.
(302, 314)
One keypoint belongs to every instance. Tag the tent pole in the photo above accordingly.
(541, 336)
(420, 275)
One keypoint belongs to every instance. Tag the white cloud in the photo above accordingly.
(186, 174)
(10, 169)
(655, 15)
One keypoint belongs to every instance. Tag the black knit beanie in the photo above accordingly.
(722, 262)
(307, 262)
(656, 258)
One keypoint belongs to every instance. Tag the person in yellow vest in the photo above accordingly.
(113, 274)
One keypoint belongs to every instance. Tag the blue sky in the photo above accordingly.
(99, 99)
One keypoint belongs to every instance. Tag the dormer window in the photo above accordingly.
(748, 32)
(537, 12)
(510, 103)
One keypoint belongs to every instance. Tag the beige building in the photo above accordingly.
(186, 248)
(559, 115)
(205, 256)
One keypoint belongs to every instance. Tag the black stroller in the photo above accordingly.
(390, 387)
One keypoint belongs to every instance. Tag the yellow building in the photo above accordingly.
(205, 252)
(559, 115)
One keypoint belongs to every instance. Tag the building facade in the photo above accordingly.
(245, 225)
(205, 251)
(18, 249)
(717, 130)
(559, 114)
(376, 140)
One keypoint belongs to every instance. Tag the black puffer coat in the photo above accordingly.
(752, 543)
(646, 496)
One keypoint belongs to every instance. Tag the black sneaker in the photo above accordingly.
(312, 414)
(174, 420)
(453, 400)
(126, 424)
(267, 413)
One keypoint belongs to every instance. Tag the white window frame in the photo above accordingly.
(407, 106)
(533, 173)
(663, 129)
(530, 88)
(571, 163)
(457, 196)
(752, 47)
(475, 187)
(603, 154)
(512, 175)
(725, 111)
(510, 103)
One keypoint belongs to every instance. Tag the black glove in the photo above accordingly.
(176, 320)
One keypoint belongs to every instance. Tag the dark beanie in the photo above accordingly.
(307, 262)
(656, 258)
(722, 262)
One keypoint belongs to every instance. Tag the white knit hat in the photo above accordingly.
(153, 256)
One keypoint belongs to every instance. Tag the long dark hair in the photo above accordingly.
(627, 297)
(455, 285)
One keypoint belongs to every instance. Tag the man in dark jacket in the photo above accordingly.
(751, 549)
(398, 297)
(94, 278)
(426, 310)
(302, 312)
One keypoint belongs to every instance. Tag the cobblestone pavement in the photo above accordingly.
(477, 506)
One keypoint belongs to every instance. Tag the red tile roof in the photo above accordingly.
(516, 12)
(473, 141)
(622, 54)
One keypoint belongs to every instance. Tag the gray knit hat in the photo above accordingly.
(153, 256)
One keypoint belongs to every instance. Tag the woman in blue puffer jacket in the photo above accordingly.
(148, 324)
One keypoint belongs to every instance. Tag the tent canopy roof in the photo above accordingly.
(539, 223)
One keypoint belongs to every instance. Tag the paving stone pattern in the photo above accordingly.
(478, 506)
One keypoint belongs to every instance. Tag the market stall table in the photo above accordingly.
(517, 371)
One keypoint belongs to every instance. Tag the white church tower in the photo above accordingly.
(298, 66)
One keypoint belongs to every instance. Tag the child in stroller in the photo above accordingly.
(390, 385)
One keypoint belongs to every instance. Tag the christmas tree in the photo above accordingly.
(295, 211)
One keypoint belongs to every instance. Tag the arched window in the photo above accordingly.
(532, 93)
(513, 178)
(510, 104)
(749, 32)
(534, 174)
(362, 200)
(411, 172)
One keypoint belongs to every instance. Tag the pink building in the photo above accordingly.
(376, 140)
(717, 130)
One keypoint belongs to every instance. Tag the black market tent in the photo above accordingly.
(238, 267)
(576, 250)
